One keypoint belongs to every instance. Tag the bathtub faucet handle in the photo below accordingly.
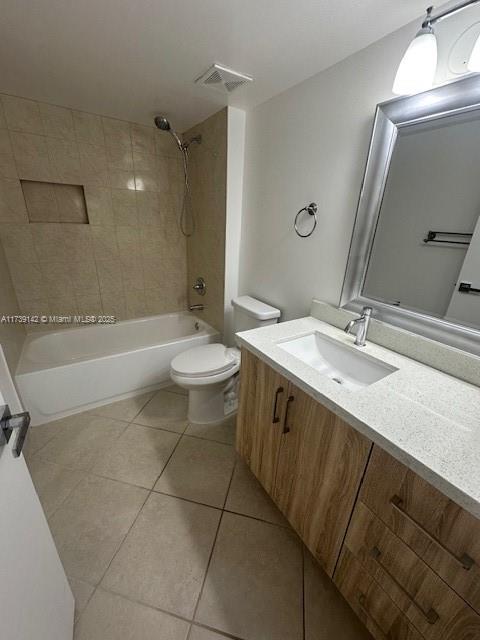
(200, 286)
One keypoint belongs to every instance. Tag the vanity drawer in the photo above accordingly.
(376, 610)
(444, 535)
(434, 609)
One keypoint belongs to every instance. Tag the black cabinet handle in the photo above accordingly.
(276, 418)
(466, 287)
(286, 428)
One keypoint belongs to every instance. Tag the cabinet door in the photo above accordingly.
(260, 417)
(320, 467)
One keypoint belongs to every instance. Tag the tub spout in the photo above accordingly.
(196, 307)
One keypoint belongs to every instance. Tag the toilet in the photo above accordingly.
(210, 372)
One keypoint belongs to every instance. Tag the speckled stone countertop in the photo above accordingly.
(427, 419)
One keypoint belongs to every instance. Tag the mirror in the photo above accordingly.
(415, 254)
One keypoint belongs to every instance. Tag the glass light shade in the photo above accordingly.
(416, 71)
(474, 60)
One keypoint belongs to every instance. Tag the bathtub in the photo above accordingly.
(71, 370)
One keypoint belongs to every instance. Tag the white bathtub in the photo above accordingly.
(71, 370)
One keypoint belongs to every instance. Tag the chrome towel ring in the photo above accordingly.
(311, 209)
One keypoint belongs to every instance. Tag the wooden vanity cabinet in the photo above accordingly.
(310, 461)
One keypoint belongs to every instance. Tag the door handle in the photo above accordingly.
(276, 418)
(286, 428)
(18, 423)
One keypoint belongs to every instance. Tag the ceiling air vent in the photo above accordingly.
(222, 79)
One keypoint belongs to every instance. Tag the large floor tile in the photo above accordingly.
(327, 615)
(174, 388)
(248, 497)
(89, 527)
(163, 559)
(220, 432)
(199, 470)
(253, 587)
(111, 617)
(137, 456)
(166, 411)
(124, 409)
(37, 437)
(82, 592)
(82, 441)
(53, 483)
(200, 633)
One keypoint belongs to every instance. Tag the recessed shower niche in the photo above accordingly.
(54, 202)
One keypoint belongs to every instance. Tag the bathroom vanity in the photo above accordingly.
(379, 476)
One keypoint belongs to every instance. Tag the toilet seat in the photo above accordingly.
(210, 360)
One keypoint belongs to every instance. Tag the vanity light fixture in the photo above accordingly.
(416, 71)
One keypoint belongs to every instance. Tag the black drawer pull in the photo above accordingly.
(431, 615)
(286, 428)
(276, 418)
(465, 560)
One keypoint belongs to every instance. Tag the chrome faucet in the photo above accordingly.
(362, 323)
(196, 307)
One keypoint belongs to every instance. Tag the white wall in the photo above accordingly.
(236, 122)
(310, 143)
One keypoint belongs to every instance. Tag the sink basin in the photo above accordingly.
(344, 365)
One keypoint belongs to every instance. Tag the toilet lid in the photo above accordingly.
(207, 360)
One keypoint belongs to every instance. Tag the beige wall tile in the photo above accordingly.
(120, 157)
(90, 304)
(116, 132)
(124, 207)
(8, 168)
(31, 156)
(71, 203)
(12, 203)
(83, 277)
(146, 181)
(135, 305)
(109, 276)
(62, 306)
(78, 242)
(120, 179)
(49, 242)
(56, 280)
(88, 128)
(64, 160)
(22, 115)
(3, 122)
(109, 158)
(17, 242)
(57, 121)
(144, 161)
(113, 304)
(165, 145)
(27, 280)
(93, 165)
(143, 138)
(99, 205)
(40, 201)
(104, 243)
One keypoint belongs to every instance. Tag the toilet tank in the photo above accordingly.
(250, 313)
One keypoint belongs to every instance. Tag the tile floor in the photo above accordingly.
(166, 535)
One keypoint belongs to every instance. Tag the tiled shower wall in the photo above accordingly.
(206, 247)
(130, 260)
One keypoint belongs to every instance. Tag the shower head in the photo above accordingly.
(162, 123)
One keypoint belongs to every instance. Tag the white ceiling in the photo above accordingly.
(132, 59)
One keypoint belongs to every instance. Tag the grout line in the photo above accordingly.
(193, 435)
(168, 460)
(189, 500)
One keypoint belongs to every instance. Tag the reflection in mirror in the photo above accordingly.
(426, 250)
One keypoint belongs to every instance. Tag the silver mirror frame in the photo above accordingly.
(454, 98)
